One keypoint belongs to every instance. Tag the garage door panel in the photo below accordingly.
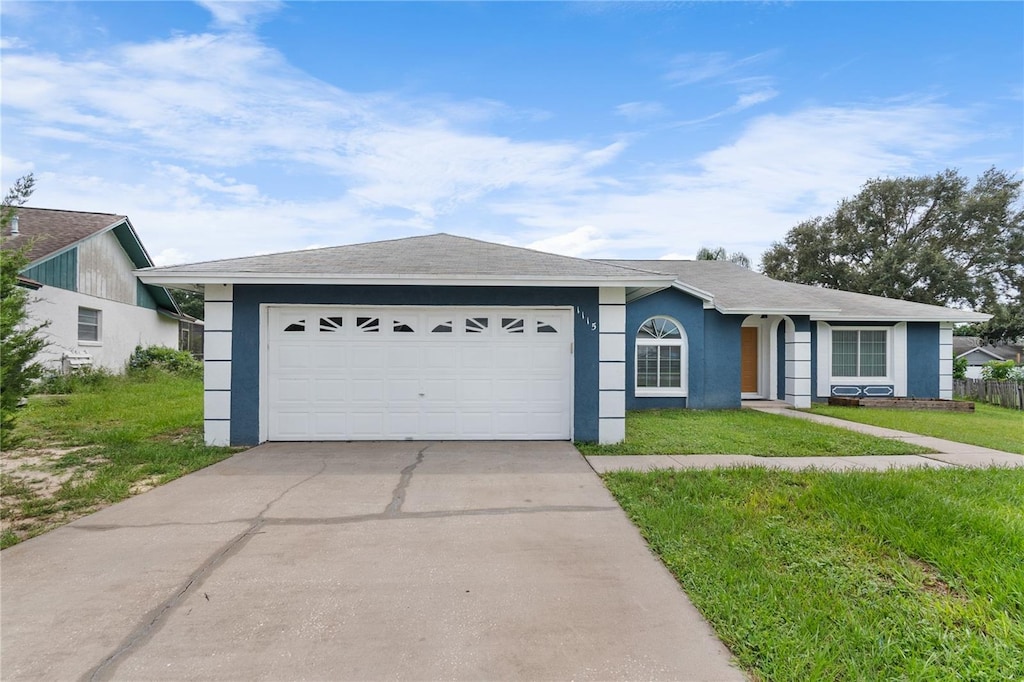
(437, 373)
(330, 389)
(329, 356)
(293, 356)
(292, 424)
(331, 424)
(293, 390)
(366, 424)
(443, 389)
(404, 389)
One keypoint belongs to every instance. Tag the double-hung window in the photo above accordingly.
(660, 358)
(860, 353)
(89, 325)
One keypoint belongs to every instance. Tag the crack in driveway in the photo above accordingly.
(155, 619)
(398, 496)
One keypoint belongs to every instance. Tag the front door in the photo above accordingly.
(748, 360)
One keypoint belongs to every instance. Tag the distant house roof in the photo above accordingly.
(966, 345)
(47, 232)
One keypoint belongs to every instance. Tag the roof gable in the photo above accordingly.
(50, 232)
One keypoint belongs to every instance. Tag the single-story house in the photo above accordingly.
(81, 270)
(445, 337)
(978, 354)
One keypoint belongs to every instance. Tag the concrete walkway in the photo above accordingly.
(947, 453)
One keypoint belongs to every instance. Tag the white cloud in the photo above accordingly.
(698, 67)
(239, 13)
(641, 111)
(582, 242)
(780, 170)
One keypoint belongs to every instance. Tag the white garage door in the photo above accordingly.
(346, 373)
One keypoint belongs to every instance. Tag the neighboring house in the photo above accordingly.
(977, 355)
(444, 337)
(81, 270)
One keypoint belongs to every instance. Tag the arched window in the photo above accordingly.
(660, 358)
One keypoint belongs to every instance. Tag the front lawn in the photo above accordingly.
(740, 432)
(999, 428)
(906, 574)
(105, 442)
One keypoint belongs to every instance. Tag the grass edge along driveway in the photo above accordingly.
(741, 432)
(989, 426)
(108, 440)
(858, 575)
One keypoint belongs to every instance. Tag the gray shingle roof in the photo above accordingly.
(50, 230)
(437, 255)
(737, 289)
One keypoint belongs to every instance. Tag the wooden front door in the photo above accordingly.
(748, 359)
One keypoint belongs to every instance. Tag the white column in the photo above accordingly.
(217, 364)
(612, 365)
(824, 360)
(899, 359)
(798, 368)
(946, 360)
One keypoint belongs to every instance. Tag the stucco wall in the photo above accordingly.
(245, 368)
(923, 359)
(688, 312)
(122, 327)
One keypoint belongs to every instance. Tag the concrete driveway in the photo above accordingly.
(414, 561)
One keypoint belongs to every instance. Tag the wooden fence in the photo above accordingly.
(1004, 393)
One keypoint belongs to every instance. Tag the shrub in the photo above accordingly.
(56, 382)
(960, 368)
(996, 370)
(179, 362)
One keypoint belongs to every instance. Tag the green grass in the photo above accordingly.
(989, 426)
(909, 575)
(133, 432)
(740, 432)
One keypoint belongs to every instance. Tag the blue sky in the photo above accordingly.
(589, 129)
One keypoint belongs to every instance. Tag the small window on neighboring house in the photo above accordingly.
(88, 324)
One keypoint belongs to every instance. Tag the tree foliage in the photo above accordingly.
(931, 239)
(190, 303)
(19, 341)
(736, 257)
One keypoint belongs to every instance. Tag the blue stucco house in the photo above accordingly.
(445, 337)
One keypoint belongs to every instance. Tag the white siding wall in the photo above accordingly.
(122, 327)
(104, 270)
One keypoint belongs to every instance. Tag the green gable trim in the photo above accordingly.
(60, 271)
(143, 298)
(147, 295)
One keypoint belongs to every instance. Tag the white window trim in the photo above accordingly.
(682, 343)
(890, 374)
(99, 327)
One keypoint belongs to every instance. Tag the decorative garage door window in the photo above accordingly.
(660, 358)
(373, 373)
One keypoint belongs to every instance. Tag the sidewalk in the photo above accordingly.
(947, 453)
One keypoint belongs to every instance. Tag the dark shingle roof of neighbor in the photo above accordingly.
(49, 230)
(429, 255)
